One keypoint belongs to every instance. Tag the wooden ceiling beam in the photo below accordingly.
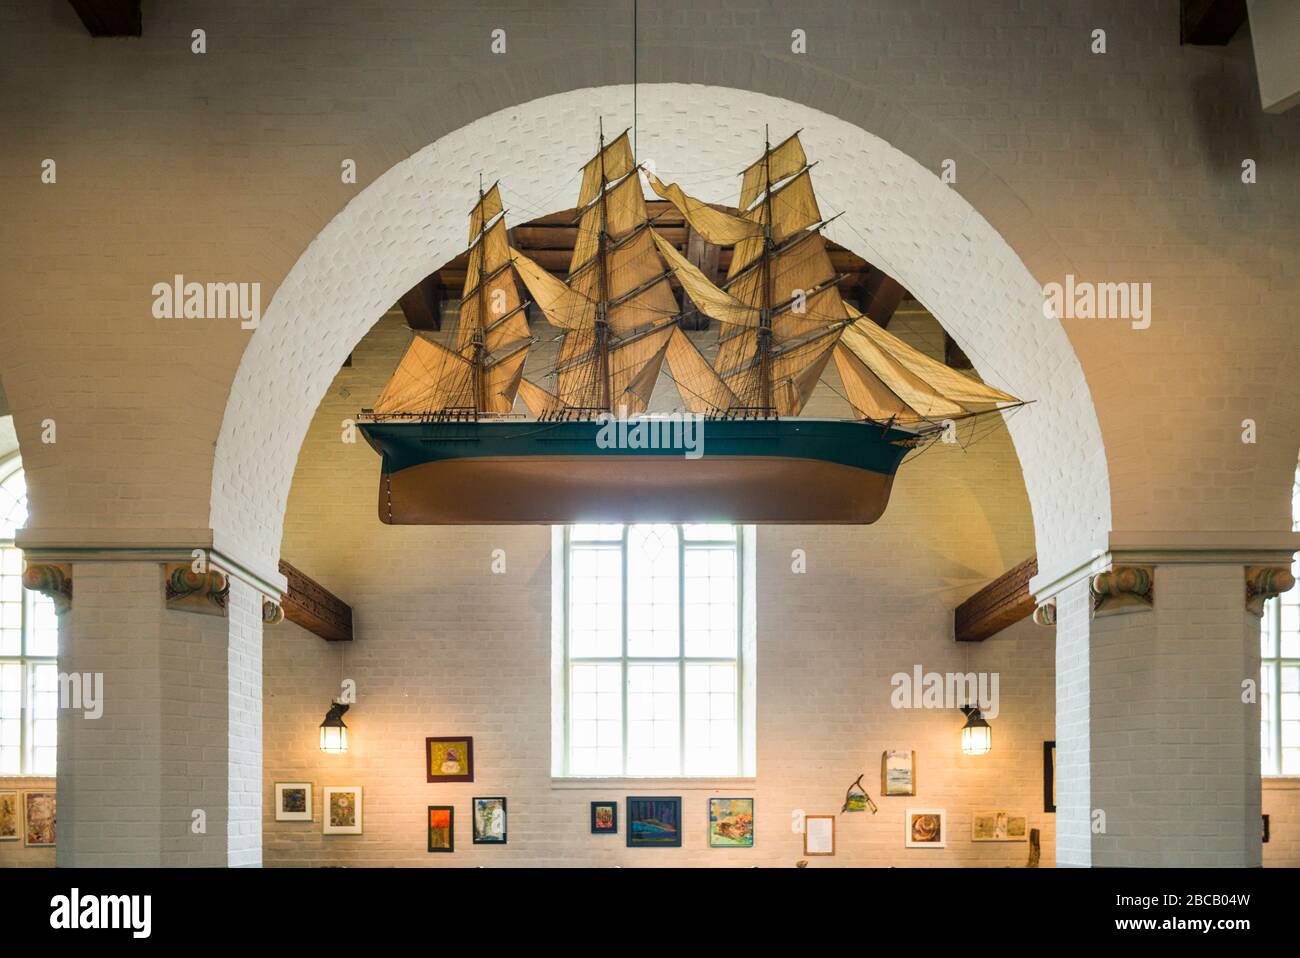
(1210, 22)
(953, 355)
(110, 18)
(1003, 602)
(881, 294)
(422, 305)
(314, 607)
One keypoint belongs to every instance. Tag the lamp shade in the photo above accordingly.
(333, 733)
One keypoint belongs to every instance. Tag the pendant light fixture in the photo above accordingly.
(333, 733)
(976, 736)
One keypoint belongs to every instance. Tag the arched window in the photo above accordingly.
(29, 637)
(1280, 671)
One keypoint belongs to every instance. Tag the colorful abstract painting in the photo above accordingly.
(442, 832)
(604, 818)
(654, 822)
(342, 810)
(731, 823)
(449, 758)
(489, 821)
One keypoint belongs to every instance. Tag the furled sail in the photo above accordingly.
(716, 226)
(708, 298)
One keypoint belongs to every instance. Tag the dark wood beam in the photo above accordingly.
(1003, 602)
(953, 355)
(1210, 22)
(881, 294)
(422, 305)
(314, 607)
(110, 18)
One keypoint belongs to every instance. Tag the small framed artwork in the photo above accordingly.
(999, 826)
(341, 810)
(898, 773)
(731, 823)
(927, 828)
(1264, 829)
(293, 801)
(604, 818)
(442, 828)
(9, 817)
(1049, 776)
(39, 819)
(818, 835)
(489, 821)
(449, 758)
(654, 821)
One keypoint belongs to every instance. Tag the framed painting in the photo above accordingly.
(1264, 829)
(39, 819)
(818, 835)
(999, 826)
(731, 823)
(1049, 776)
(654, 821)
(604, 818)
(442, 828)
(489, 821)
(927, 828)
(293, 801)
(9, 817)
(449, 758)
(898, 773)
(341, 810)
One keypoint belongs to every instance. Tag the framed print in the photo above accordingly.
(341, 810)
(1049, 776)
(489, 821)
(926, 828)
(818, 835)
(1264, 829)
(604, 818)
(9, 817)
(442, 828)
(38, 819)
(449, 758)
(731, 823)
(654, 822)
(293, 801)
(999, 826)
(898, 773)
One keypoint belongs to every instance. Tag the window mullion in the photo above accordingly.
(681, 650)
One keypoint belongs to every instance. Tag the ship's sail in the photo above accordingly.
(483, 370)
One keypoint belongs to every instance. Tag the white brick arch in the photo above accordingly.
(897, 214)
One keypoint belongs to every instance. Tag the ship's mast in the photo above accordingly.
(602, 303)
(765, 311)
(477, 340)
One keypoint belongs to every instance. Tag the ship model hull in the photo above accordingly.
(749, 470)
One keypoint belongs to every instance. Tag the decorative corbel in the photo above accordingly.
(206, 593)
(51, 579)
(1265, 581)
(1045, 614)
(1127, 586)
(272, 612)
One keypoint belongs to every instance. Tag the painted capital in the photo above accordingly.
(272, 612)
(203, 592)
(1265, 581)
(51, 579)
(1045, 614)
(1127, 586)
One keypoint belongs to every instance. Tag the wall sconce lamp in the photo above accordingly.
(333, 733)
(976, 736)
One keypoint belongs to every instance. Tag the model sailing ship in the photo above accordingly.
(452, 453)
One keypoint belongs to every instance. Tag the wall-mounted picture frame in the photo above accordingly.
(293, 802)
(604, 818)
(489, 816)
(999, 826)
(654, 821)
(341, 810)
(441, 821)
(449, 758)
(818, 836)
(1049, 777)
(926, 828)
(731, 823)
(10, 817)
(39, 819)
(898, 773)
(1264, 829)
